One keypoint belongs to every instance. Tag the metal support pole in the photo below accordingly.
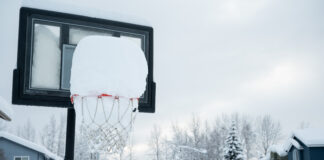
(70, 135)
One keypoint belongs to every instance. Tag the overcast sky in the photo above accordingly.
(211, 57)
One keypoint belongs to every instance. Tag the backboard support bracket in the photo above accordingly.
(70, 135)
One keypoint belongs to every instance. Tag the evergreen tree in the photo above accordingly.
(233, 147)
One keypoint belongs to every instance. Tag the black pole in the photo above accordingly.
(70, 135)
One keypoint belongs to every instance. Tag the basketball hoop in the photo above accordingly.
(110, 133)
(106, 74)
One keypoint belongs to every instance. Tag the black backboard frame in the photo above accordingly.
(23, 95)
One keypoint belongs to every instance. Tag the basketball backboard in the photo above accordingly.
(46, 44)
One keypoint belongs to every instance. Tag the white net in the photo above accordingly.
(106, 122)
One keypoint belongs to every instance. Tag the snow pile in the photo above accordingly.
(5, 110)
(280, 149)
(312, 137)
(199, 150)
(30, 145)
(108, 65)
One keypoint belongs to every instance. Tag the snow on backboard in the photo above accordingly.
(45, 49)
(108, 65)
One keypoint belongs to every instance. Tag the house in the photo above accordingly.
(16, 148)
(306, 144)
(311, 145)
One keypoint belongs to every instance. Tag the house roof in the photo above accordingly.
(5, 110)
(30, 145)
(311, 137)
(282, 149)
(291, 142)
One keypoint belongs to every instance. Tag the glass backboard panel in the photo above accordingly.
(67, 56)
(76, 34)
(46, 57)
(136, 40)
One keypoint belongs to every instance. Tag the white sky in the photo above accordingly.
(210, 57)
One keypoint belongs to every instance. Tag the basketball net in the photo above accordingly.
(106, 121)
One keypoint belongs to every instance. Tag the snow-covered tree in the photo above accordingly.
(207, 143)
(269, 133)
(81, 151)
(233, 147)
(187, 142)
(196, 138)
(217, 136)
(180, 137)
(53, 135)
(248, 137)
(27, 132)
(3, 126)
(48, 135)
(156, 142)
(61, 138)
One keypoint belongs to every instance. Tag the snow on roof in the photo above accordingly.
(295, 144)
(5, 110)
(30, 145)
(288, 144)
(282, 149)
(311, 137)
(102, 10)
